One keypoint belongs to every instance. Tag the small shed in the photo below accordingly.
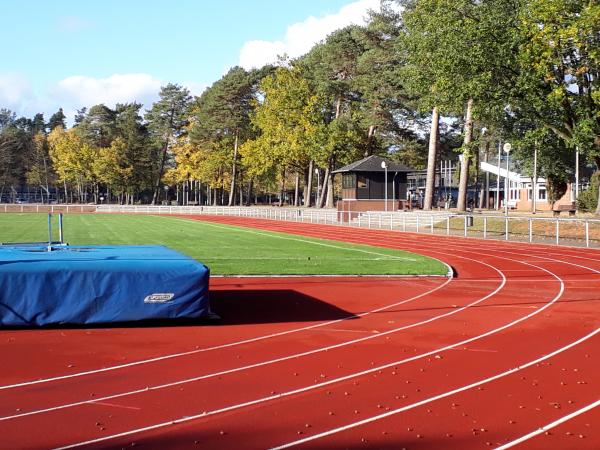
(364, 187)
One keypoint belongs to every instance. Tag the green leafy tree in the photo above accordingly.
(58, 119)
(39, 167)
(222, 118)
(166, 122)
(559, 71)
(136, 149)
(290, 124)
(458, 53)
(98, 127)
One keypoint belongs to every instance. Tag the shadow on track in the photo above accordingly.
(240, 307)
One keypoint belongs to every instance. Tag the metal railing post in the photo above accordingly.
(506, 228)
(557, 231)
(369, 219)
(587, 233)
(447, 225)
(530, 230)
(392, 222)
(431, 217)
(417, 222)
(403, 223)
(466, 222)
(380, 221)
(485, 227)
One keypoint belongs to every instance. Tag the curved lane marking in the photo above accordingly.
(437, 397)
(263, 363)
(550, 425)
(204, 414)
(222, 346)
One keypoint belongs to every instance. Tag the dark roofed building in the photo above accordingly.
(363, 185)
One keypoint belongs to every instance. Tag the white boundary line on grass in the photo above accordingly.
(275, 234)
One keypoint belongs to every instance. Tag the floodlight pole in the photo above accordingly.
(507, 148)
(384, 167)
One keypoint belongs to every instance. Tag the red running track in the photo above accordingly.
(505, 353)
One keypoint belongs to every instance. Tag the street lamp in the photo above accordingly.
(166, 188)
(384, 167)
(507, 147)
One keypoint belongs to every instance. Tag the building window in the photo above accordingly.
(542, 193)
(349, 181)
(361, 181)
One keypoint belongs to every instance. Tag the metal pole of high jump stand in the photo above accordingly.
(60, 229)
(49, 232)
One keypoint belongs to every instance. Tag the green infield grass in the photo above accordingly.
(226, 249)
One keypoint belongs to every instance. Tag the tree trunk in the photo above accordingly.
(431, 158)
(464, 165)
(323, 194)
(233, 170)
(297, 190)
(249, 197)
(282, 190)
(330, 196)
(370, 138)
(163, 161)
(308, 185)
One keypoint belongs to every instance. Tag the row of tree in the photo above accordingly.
(524, 71)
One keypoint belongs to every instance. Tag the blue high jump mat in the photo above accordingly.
(99, 284)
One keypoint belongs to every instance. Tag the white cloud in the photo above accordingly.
(72, 93)
(301, 36)
(13, 89)
(80, 90)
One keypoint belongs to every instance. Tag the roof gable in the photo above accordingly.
(373, 164)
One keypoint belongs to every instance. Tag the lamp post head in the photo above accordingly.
(383, 165)
(507, 147)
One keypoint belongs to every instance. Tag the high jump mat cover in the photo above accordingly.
(99, 284)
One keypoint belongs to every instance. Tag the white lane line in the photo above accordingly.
(438, 397)
(260, 364)
(482, 350)
(513, 306)
(332, 381)
(114, 405)
(341, 330)
(219, 347)
(550, 425)
(317, 386)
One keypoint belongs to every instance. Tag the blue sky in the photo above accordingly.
(78, 53)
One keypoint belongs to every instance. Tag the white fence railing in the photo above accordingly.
(44, 208)
(555, 230)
